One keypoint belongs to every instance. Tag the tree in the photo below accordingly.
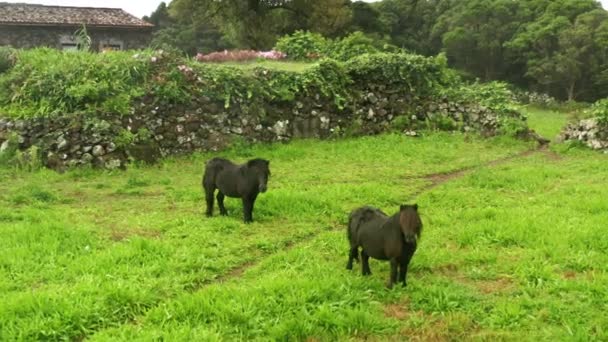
(160, 17)
(473, 35)
(563, 53)
(365, 18)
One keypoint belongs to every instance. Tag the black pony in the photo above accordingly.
(384, 237)
(245, 181)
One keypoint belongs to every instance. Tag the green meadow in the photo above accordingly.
(513, 247)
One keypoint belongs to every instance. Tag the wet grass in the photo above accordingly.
(547, 123)
(511, 251)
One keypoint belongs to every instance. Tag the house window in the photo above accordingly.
(111, 46)
(69, 46)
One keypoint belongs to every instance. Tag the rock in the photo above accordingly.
(62, 143)
(87, 149)
(148, 152)
(113, 164)
(370, 113)
(596, 144)
(280, 128)
(98, 151)
(324, 122)
(5, 146)
(111, 147)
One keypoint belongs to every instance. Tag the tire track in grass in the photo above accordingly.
(439, 178)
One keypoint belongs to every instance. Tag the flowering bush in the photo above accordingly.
(239, 56)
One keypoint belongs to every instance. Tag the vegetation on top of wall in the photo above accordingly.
(494, 95)
(7, 58)
(46, 82)
(599, 110)
(302, 45)
(417, 75)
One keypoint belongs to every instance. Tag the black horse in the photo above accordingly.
(245, 181)
(384, 237)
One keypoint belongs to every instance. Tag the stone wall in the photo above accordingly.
(110, 141)
(54, 36)
(589, 132)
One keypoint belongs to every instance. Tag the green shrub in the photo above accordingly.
(401, 123)
(329, 78)
(599, 110)
(353, 45)
(8, 57)
(493, 95)
(441, 123)
(414, 74)
(302, 45)
(47, 82)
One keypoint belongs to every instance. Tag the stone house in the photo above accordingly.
(28, 26)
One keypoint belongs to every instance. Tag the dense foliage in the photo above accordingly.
(599, 110)
(47, 82)
(7, 58)
(558, 47)
(302, 45)
(413, 74)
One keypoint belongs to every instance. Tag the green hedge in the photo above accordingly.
(47, 82)
(7, 58)
(599, 110)
(414, 74)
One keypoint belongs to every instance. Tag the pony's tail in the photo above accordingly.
(354, 220)
(212, 168)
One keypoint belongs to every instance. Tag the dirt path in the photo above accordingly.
(436, 179)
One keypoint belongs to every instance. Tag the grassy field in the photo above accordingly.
(547, 123)
(270, 64)
(512, 250)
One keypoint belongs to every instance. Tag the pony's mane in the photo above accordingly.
(411, 219)
(257, 162)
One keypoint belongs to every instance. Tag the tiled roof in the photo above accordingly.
(26, 14)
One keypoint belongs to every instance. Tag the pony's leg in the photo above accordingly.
(365, 263)
(209, 198)
(220, 203)
(248, 208)
(393, 278)
(408, 253)
(353, 255)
